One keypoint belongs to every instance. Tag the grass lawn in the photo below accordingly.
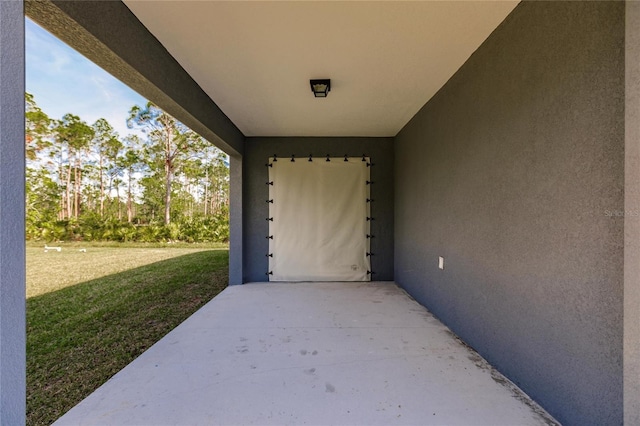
(90, 313)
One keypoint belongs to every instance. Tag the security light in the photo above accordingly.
(320, 88)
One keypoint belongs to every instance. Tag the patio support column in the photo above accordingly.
(632, 216)
(12, 246)
(235, 221)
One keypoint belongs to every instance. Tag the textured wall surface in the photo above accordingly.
(632, 221)
(235, 220)
(12, 247)
(514, 173)
(256, 210)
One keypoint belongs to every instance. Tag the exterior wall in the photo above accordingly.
(235, 220)
(514, 173)
(12, 247)
(256, 210)
(632, 221)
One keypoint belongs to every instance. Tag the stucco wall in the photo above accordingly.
(514, 173)
(12, 248)
(632, 222)
(256, 210)
(235, 220)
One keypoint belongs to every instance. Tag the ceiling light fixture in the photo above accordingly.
(320, 88)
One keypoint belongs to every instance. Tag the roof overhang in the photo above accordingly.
(232, 69)
(385, 59)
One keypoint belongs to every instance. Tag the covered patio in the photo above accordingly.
(503, 140)
(309, 353)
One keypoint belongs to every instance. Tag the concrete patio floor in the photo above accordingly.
(309, 353)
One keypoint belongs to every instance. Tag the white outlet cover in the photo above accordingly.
(441, 262)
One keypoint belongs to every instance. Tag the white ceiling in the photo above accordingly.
(385, 59)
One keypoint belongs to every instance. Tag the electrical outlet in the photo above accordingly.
(441, 262)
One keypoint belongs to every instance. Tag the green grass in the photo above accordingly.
(54, 270)
(91, 313)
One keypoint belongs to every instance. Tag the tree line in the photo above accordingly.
(86, 182)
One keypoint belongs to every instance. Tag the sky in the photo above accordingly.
(63, 81)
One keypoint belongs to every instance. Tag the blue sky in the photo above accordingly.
(62, 81)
